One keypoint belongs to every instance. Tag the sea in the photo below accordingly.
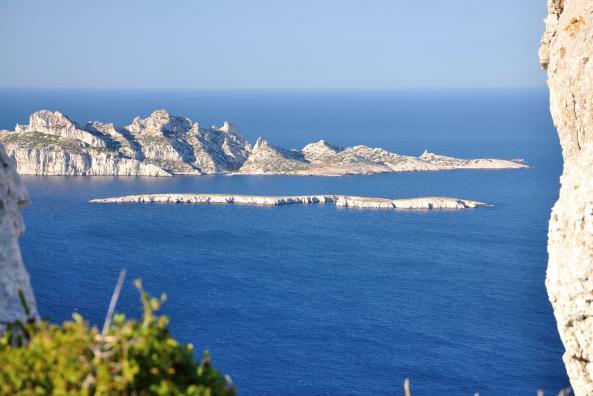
(314, 299)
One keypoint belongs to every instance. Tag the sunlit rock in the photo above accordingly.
(163, 144)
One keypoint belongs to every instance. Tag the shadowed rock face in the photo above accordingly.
(13, 276)
(163, 144)
(566, 52)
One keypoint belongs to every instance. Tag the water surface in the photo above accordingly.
(313, 299)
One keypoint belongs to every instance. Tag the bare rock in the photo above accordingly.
(13, 276)
(344, 201)
(566, 50)
(163, 144)
(268, 159)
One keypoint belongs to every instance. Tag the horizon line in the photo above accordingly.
(246, 89)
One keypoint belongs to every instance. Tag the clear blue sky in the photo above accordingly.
(270, 44)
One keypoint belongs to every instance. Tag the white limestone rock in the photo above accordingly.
(57, 160)
(263, 200)
(257, 200)
(163, 144)
(320, 151)
(410, 203)
(57, 124)
(162, 140)
(117, 138)
(160, 122)
(444, 162)
(219, 150)
(13, 276)
(51, 144)
(268, 159)
(566, 52)
(323, 159)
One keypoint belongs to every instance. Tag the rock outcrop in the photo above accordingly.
(13, 276)
(567, 54)
(163, 145)
(345, 201)
(409, 203)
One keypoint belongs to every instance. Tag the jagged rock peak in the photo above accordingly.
(230, 128)
(44, 119)
(57, 124)
(322, 145)
(320, 150)
(427, 155)
(260, 143)
(160, 121)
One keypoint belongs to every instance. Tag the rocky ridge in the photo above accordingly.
(265, 200)
(163, 145)
(567, 52)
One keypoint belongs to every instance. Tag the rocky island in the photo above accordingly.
(164, 145)
(344, 201)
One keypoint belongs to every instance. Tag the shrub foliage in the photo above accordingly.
(132, 357)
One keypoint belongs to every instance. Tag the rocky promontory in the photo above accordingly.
(163, 145)
(345, 201)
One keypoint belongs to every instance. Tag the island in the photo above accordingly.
(165, 145)
(344, 201)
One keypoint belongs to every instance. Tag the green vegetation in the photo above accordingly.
(39, 140)
(154, 140)
(32, 139)
(129, 357)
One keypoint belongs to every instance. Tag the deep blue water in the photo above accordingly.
(313, 299)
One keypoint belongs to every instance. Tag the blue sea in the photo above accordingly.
(316, 300)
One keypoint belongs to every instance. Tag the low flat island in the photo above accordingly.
(345, 201)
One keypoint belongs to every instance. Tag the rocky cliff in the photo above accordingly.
(163, 144)
(13, 276)
(566, 52)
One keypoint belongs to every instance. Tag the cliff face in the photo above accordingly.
(566, 52)
(13, 276)
(163, 144)
(159, 145)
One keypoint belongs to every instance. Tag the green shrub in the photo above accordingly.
(133, 357)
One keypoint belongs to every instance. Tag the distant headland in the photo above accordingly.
(165, 145)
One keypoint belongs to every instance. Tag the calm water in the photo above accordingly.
(312, 299)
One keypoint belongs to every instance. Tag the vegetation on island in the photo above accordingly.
(40, 140)
(129, 357)
(32, 139)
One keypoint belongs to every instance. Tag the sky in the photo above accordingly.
(270, 44)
